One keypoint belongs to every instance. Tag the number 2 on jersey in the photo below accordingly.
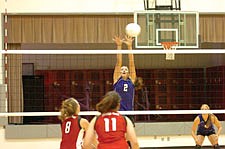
(108, 122)
(125, 87)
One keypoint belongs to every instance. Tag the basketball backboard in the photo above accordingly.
(167, 26)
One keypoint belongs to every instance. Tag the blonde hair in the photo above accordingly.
(205, 105)
(138, 83)
(68, 108)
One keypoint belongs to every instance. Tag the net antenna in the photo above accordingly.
(169, 46)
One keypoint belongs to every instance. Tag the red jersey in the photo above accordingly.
(111, 128)
(72, 134)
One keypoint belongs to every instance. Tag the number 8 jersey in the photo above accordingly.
(111, 128)
(72, 133)
(125, 88)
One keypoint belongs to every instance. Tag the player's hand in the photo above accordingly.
(118, 40)
(128, 40)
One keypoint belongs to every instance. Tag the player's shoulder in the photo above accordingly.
(116, 81)
(197, 118)
(214, 118)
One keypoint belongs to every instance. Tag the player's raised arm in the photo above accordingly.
(118, 65)
(128, 41)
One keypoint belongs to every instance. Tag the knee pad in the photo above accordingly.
(198, 147)
(216, 146)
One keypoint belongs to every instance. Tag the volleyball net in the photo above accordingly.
(35, 82)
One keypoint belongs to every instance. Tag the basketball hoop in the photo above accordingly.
(169, 46)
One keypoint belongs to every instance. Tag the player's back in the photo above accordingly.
(111, 129)
(70, 133)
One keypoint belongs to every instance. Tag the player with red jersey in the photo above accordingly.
(73, 126)
(111, 128)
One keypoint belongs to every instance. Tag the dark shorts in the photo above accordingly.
(206, 133)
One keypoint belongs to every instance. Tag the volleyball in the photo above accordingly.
(133, 29)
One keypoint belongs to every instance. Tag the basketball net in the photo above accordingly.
(169, 46)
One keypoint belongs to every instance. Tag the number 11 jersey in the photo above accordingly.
(111, 128)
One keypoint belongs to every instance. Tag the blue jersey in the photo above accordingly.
(125, 88)
(202, 129)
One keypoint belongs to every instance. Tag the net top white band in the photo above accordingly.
(148, 112)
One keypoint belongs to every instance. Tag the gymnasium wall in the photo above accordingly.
(90, 6)
(49, 6)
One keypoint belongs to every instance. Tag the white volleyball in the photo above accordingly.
(133, 29)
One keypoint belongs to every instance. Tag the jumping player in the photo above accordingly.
(73, 126)
(112, 128)
(124, 77)
(204, 123)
